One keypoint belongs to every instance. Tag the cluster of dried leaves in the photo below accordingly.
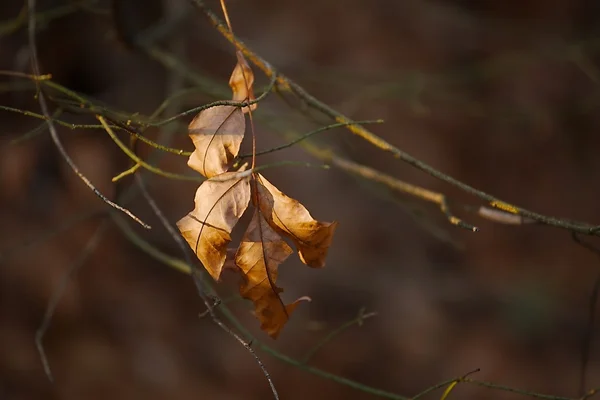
(223, 198)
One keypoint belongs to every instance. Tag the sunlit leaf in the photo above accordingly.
(241, 81)
(219, 204)
(290, 218)
(217, 133)
(258, 257)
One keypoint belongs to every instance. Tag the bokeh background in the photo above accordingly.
(501, 95)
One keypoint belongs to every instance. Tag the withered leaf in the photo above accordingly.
(258, 257)
(290, 218)
(241, 81)
(222, 199)
(219, 204)
(217, 133)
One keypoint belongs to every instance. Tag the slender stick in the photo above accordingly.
(53, 133)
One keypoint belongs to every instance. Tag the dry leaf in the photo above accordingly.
(217, 133)
(259, 255)
(222, 199)
(241, 81)
(287, 216)
(219, 204)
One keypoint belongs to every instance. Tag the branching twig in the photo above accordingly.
(53, 133)
(197, 276)
(455, 383)
(285, 83)
(182, 266)
(500, 211)
(138, 160)
(240, 104)
(199, 281)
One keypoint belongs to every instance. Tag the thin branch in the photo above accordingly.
(239, 104)
(53, 133)
(35, 131)
(389, 181)
(172, 62)
(210, 301)
(359, 320)
(451, 387)
(452, 382)
(172, 262)
(138, 160)
(57, 293)
(138, 135)
(286, 83)
(198, 280)
(308, 135)
(500, 214)
(182, 266)
(115, 125)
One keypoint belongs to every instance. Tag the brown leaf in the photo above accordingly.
(241, 81)
(219, 204)
(217, 133)
(259, 255)
(287, 216)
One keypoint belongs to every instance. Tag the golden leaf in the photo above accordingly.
(219, 204)
(258, 257)
(241, 81)
(217, 133)
(290, 218)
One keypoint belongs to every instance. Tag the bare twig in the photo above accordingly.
(389, 181)
(455, 383)
(87, 250)
(53, 133)
(285, 83)
(451, 382)
(306, 136)
(500, 211)
(199, 282)
(182, 266)
(138, 160)
(210, 301)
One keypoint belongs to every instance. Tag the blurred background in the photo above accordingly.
(501, 95)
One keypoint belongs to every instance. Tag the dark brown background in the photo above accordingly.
(502, 95)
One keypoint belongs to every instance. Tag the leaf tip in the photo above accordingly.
(274, 329)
